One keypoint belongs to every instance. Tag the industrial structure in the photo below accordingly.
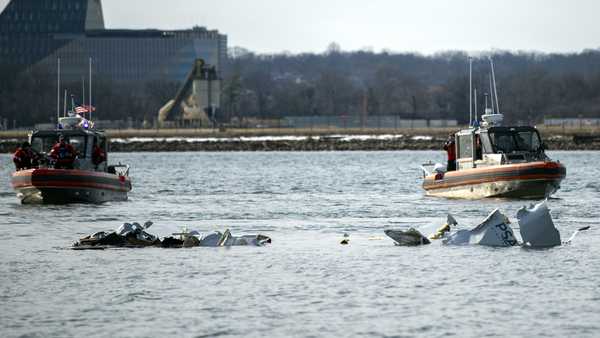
(198, 101)
(35, 33)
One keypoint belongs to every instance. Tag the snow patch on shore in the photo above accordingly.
(343, 138)
(422, 138)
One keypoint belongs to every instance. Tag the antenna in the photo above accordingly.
(470, 91)
(83, 91)
(65, 104)
(476, 110)
(58, 92)
(90, 99)
(495, 88)
(491, 91)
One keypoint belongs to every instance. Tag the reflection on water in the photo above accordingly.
(305, 284)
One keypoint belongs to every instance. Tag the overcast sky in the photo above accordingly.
(424, 26)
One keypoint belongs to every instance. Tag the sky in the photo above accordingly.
(423, 26)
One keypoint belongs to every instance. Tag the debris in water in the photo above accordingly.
(494, 231)
(346, 240)
(445, 229)
(537, 228)
(410, 237)
(134, 235)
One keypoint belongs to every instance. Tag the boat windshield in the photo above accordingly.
(78, 142)
(43, 144)
(508, 141)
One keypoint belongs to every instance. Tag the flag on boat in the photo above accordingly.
(84, 109)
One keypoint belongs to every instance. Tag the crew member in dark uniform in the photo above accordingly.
(478, 148)
(63, 154)
(450, 148)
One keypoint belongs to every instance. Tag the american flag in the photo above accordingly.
(84, 109)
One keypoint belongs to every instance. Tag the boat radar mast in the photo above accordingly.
(491, 117)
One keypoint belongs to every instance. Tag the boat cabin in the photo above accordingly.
(481, 147)
(83, 140)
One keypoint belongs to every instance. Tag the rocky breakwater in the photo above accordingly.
(280, 143)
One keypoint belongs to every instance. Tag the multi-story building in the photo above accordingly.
(34, 34)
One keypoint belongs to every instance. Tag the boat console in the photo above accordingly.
(77, 132)
(478, 147)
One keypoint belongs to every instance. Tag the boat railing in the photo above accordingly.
(425, 168)
(431, 168)
(119, 169)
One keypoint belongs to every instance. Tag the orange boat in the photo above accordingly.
(496, 161)
(85, 183)
(59, 186)
(533, 180)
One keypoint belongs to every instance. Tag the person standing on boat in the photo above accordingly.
(98, 156)
(478, 148)
(63, 154)
(25, 158)
(450, 148)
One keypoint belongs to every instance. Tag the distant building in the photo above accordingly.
(35, 33)
(572, 122)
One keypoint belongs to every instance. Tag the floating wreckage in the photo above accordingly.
(536, 228)
(128, 235)
(215, 239)
(134, 235)
(412, 237)
(494, 231)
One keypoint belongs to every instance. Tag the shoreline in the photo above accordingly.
(208, 140)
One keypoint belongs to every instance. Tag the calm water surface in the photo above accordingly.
(305, 284)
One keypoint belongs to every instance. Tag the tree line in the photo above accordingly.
(408, 85)
(336, 83)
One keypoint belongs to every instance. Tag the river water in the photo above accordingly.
(305, 284)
